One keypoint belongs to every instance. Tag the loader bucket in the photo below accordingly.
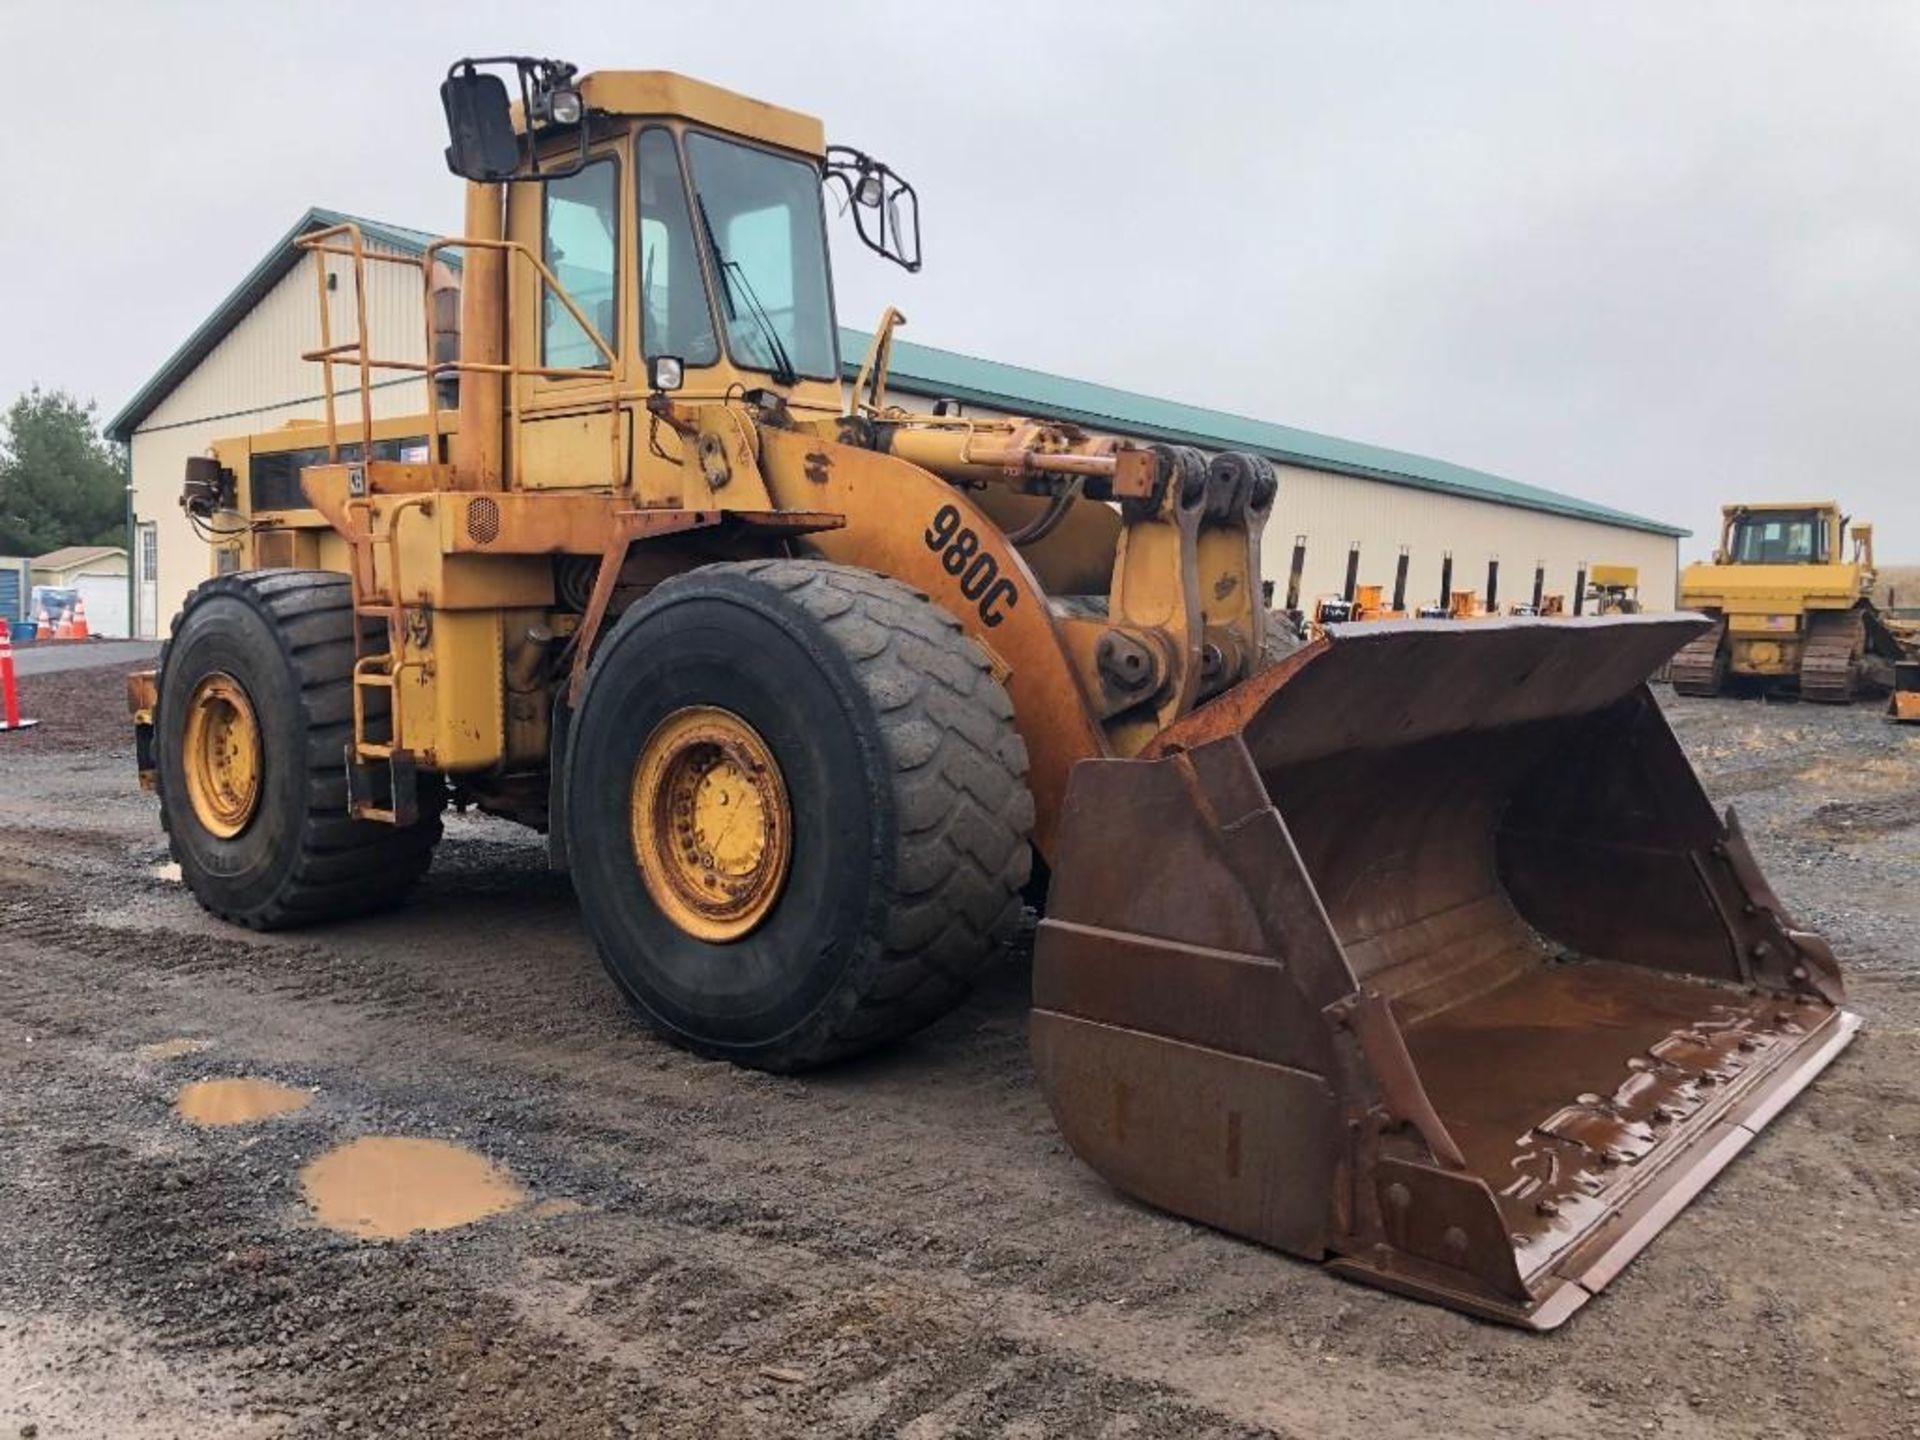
(1423, 952)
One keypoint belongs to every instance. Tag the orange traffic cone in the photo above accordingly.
(64, 630)
(9, 697)
(78, 619)
(44, 620)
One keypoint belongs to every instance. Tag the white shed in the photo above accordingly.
(241, 373)
(98, 575)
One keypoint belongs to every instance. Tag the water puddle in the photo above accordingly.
(383, 1187)
(168, 871)
(238, 1102)
(171, 1049)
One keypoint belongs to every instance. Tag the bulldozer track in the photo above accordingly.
(1829, 663)
(1698, 668)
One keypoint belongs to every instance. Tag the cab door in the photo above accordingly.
(568, 439)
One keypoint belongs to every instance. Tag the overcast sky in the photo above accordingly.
(1657, 255)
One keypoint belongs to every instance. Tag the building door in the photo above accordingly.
(106, 601)
(146, 572)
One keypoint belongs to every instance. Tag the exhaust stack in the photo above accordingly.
(478, 447)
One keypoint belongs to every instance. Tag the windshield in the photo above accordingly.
(760, 217)
(1780, 537)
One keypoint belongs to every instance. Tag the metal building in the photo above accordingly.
(241, 373)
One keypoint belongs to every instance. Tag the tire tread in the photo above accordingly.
(345, 867)
(963, 810)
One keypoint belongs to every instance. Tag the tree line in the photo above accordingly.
(61, 481)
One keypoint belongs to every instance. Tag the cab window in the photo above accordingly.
(1781, 538)
(674, 317)
(580, 244)
(764, 229)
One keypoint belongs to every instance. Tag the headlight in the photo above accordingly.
(564, 107)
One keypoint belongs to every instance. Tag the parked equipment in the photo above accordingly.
(1366, 602)
(1613, 590)
(1416, 947)
(1904, 703)
(1789, 591)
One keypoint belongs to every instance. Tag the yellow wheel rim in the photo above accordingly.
(221, 755)
(712, 831)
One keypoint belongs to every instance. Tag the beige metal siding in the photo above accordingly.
(253, 381)
(1334, 510)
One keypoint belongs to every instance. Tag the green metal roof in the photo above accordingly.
(247, 294)
(923, 370)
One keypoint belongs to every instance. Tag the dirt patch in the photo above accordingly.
(174, 1049)
(1852, 820)
(899, 1247)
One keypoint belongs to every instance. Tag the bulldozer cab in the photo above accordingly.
(1788, 534)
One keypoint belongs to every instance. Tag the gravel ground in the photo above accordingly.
(72, 655)
(898, 1247)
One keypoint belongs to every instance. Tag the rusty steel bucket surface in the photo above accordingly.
(1424, 953)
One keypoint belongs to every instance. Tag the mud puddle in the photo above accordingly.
(385, 1187)
(238, 1102)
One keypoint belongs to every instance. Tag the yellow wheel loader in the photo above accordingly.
(1789, 591)
(1416, 948)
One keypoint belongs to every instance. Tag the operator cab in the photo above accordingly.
(1784, 536)
(724, 272)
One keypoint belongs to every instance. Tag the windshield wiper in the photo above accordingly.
(730, 271)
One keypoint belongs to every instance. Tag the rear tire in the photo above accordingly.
(277, 849)
(900, 786)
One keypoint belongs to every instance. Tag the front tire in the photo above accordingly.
(250, 736)
(825, 753)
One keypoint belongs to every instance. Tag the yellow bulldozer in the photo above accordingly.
(1416, 948)
(1789, 592)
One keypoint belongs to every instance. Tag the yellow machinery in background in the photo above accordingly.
(1904, 703)
(1416, 947)
(1789, 591)
(1613, 590)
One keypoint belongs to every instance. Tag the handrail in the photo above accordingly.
(357, 351)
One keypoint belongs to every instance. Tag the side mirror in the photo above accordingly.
(666, 373)
(886, 209)
(481, 144)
